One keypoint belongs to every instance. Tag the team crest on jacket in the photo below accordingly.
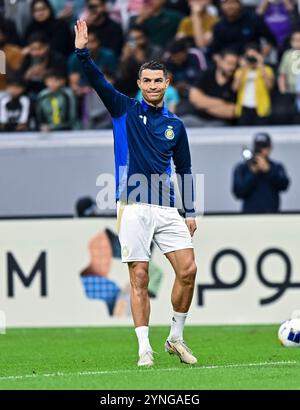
(169, 133)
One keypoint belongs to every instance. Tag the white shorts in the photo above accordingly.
(139, 224)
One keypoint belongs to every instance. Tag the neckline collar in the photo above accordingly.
(147, 107)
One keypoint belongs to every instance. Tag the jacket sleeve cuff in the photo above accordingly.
(82, 53)
(188, 213)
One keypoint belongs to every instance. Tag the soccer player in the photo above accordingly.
(146, 137)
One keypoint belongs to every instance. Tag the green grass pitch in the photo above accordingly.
(230, 357)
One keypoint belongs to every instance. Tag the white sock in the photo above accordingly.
(142, 333)
(177, 325)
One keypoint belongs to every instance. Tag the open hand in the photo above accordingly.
(81, 34)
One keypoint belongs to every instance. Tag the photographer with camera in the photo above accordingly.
(259, 180)
(253, 83)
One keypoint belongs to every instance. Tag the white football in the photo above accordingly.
(289, 333)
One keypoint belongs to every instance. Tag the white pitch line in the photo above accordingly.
(97, 373)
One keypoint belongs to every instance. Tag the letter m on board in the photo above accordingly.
(38, 268)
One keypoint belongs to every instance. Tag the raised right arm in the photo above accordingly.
(115, 102)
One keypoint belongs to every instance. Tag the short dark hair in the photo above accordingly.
(38, 37)
(228, 51)
(137, 27)
(16, 79)
(54, 73)
(252, 46)
(153, 65)
(99, 1)
(178, 46)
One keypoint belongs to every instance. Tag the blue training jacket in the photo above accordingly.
(146, 138)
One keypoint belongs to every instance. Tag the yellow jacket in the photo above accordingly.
(262, 94)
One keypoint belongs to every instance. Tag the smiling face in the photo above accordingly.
(153, 85)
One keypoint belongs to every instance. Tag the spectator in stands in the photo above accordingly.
(94, 114)
(258, 180)
(251, 5)
(10, 29)
(56, 31)
(55, 106)
(136, 7)
(289, 66)
(67, 9)
(185, 64)
(136, 51)
(13, 55)
(253, 83)
(198, 27)
(40, 59)
(19, 14)
(238, 27)
(277, 16)
(160, 24)
(15, 107)
(138, 41)
(181, 6)
(104, 58)
(212, 97)
(109, 32)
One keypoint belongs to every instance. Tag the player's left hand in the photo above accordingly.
(191, 224)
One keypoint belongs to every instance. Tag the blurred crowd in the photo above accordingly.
(231, 62)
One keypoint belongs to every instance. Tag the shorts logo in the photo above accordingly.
(169, 133)
(125, 251)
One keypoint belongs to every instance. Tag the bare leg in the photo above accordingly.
(140, 303)
(183, 262)
(140, 307)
